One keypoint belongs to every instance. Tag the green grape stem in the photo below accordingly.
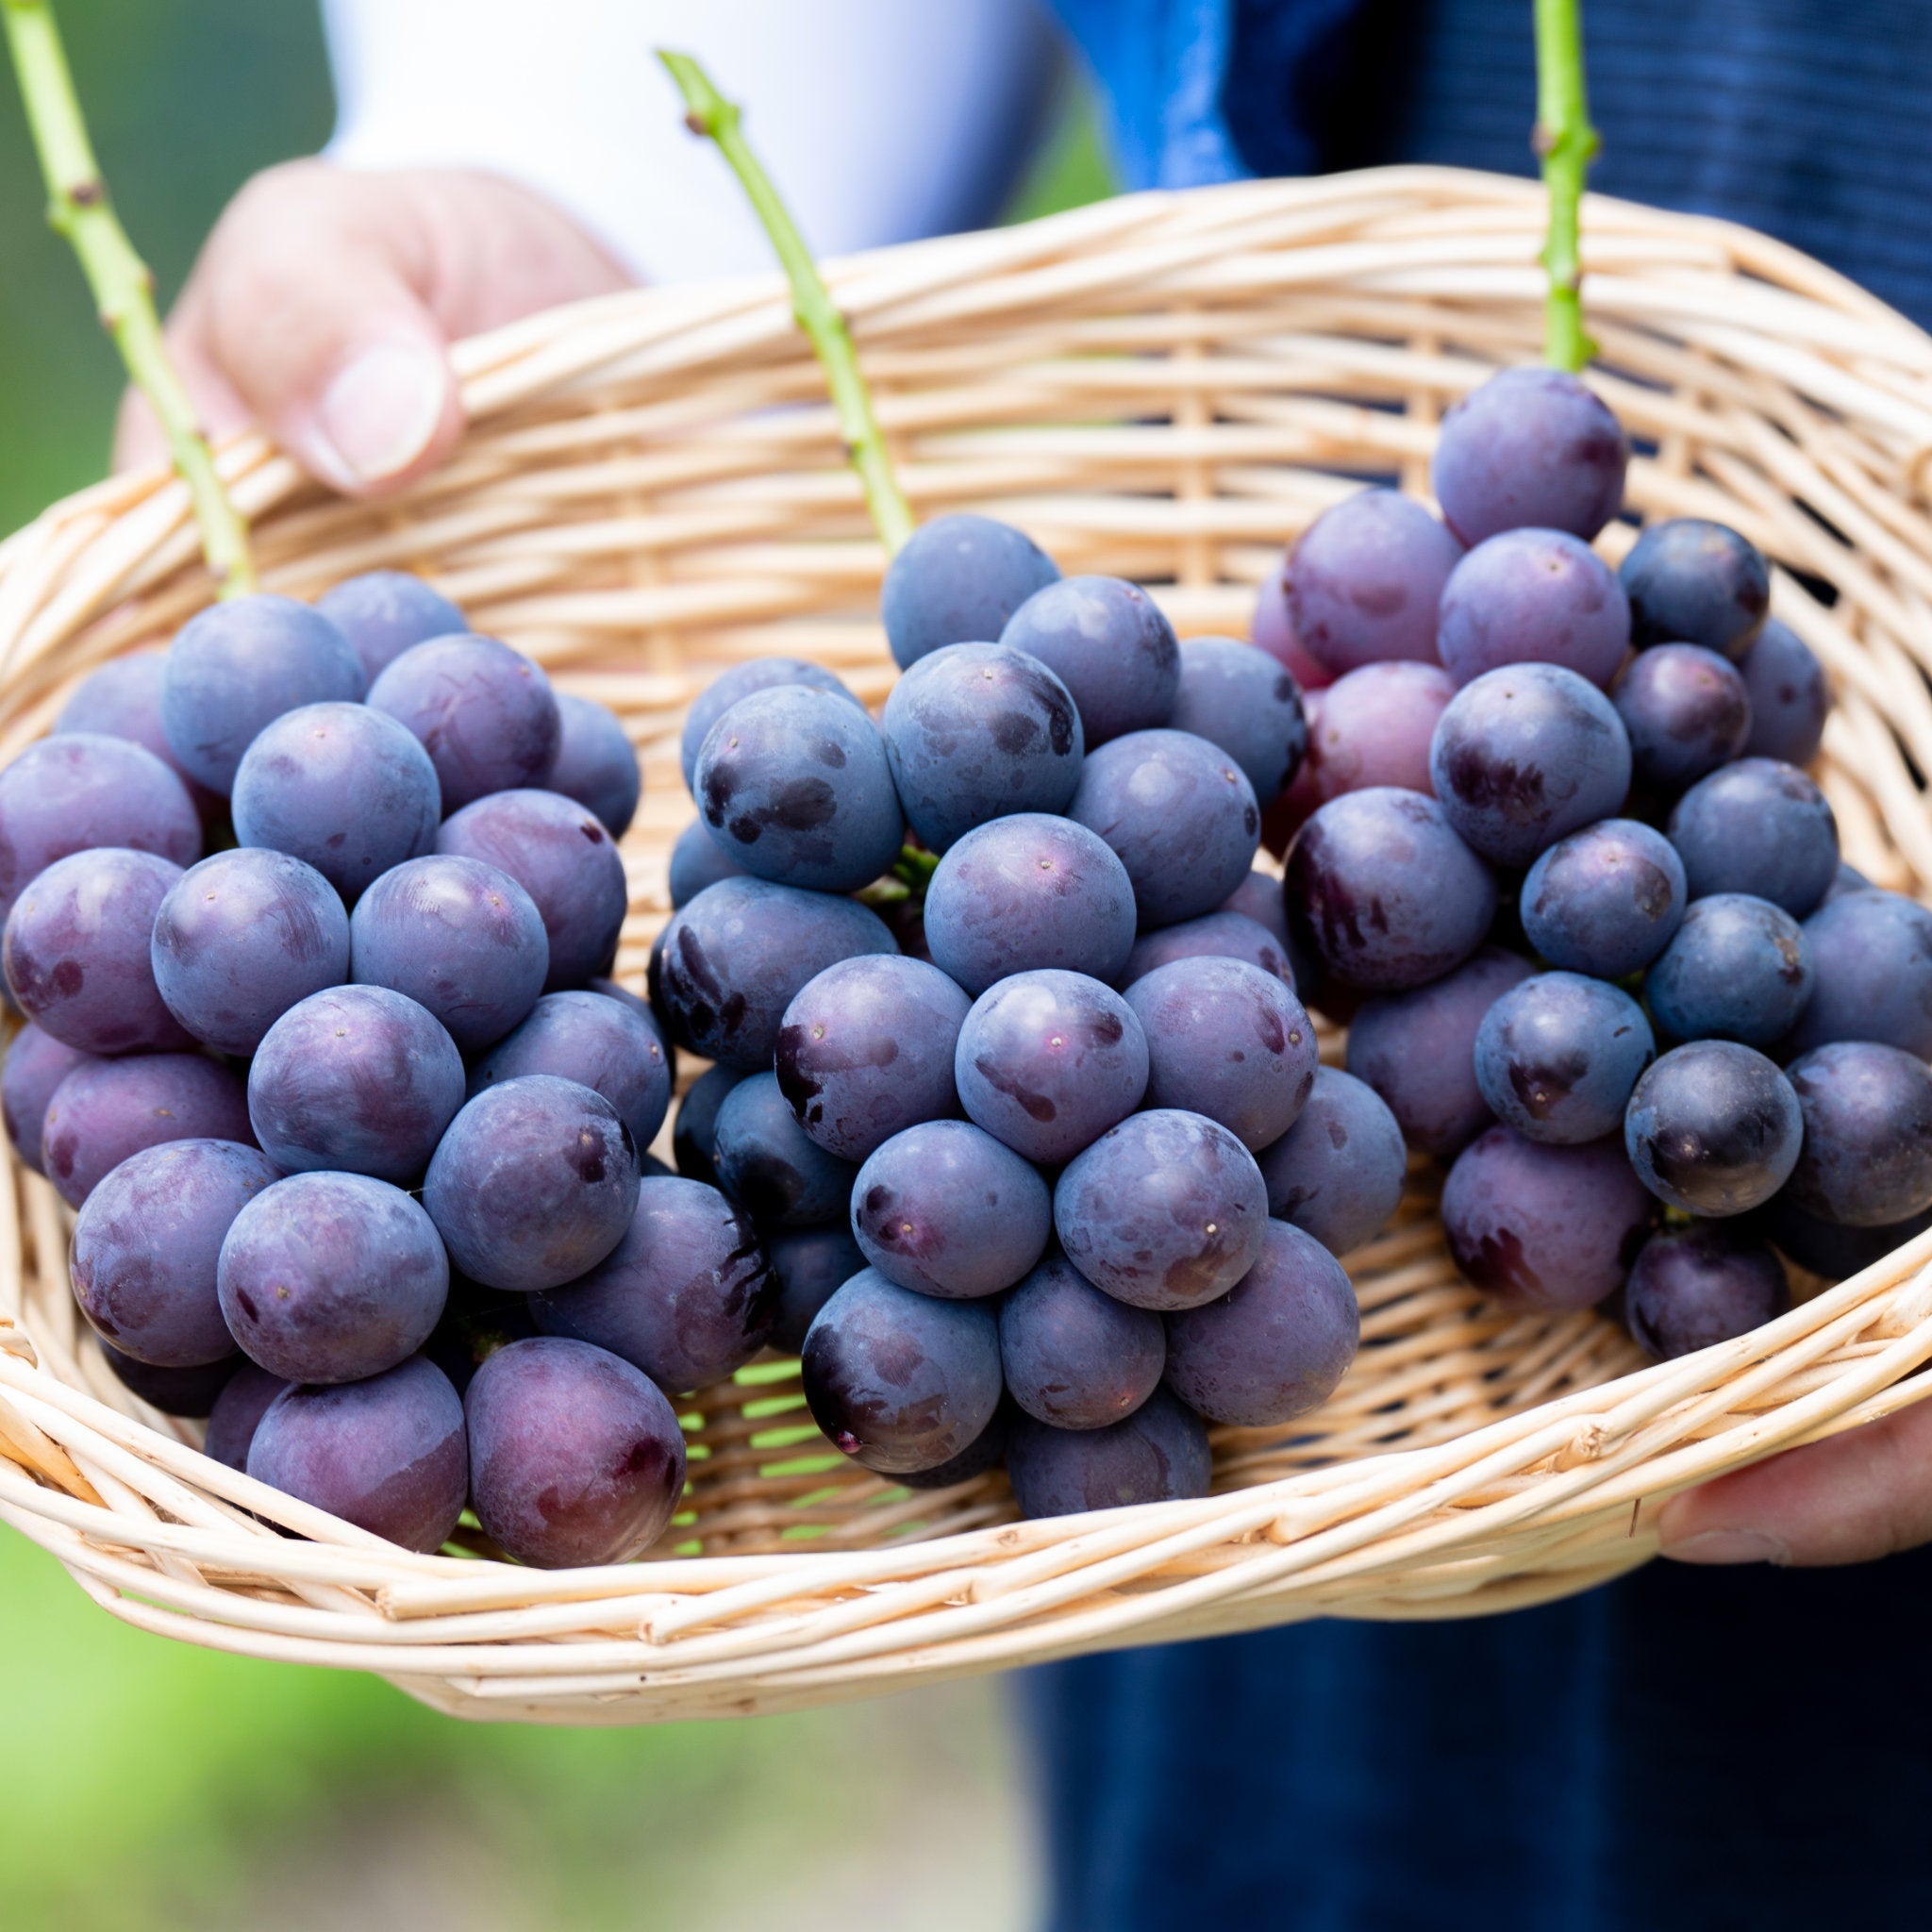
(1566, 144)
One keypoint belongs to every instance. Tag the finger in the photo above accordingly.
(219, 411)
(1857, 1497)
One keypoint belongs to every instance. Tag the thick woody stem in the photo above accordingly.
(1566, 142)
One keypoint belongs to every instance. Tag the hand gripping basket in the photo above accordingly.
(1162, 387)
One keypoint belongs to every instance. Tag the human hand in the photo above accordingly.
(323, 304)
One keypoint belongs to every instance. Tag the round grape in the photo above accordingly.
(1528, 596)
(1713, 1129)
(1272, 630)
(105, 1111)
(769, 1165)
(1339, 1172)
(757, 673)
(1870, 956)
(607, 1045)
(1258, 898)
(1605, 900)
(694, 1134)
(383, 612)
(1222, 935)
(1867, 1157)
(237, 1412)
(698, 861)
(1374, 728)
(811, 1263)
(1364, 581)
(957, 580)
(1556, 1058)
(1108, 643)
(1159, 1454)
(1739, 969)
(36, 1064)
(1760, 827)
(1697, 583)
(1687, 712)
(1239, 699)
(122, 699)
(1075, 1358)
(983, 1453)
(1692, 1288)
(596, 764)
(1790, 697)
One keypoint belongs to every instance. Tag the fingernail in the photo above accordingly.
(378, 415)
(1729, 1546)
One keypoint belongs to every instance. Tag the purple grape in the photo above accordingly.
(1339, 1172)
(485, 714)
(1390, 894)
(898, 1381)
(1026, 892)
(866, 1050)
(695, 1133)
(607, 1045)
(1364, 581)
(1687, 712)
(534, 1184)
(1179, 814)
(236, 667)
(758, 673)
(237, 1412)
(146, 1244)
(596, 764)
(1159, 1454)
(1544, 1227)
(688, 1295)
(945, 1209)
(1524, 754)
(576, 1458)
(1418, 1052)
(356, 1078)
(1556, 1058)
(1166, 1210)
(122, 699)
(974, 732)
(1760, 827)
(769, 1165)
(811, 1263)
(1272, 630)
(1531, 446)
(741, 951)
(1867, 1157)
(1870, 956)
(1223, 935)
(1227, 1039)
(174, 1391)
(1698, 583)
(242, 938)
(1828, 1249)
(983, 1453)
(1242, 702)
(383, 612)
(1108, 643)
(387, 1455)
(1527, 596)
(562, 857)
(1739, 969)
(1844, 881)
(1374, 728)
(957, 580)
(1258, 898)
(1074, 1357)
(698, 861)
(105, 1111)
(1713, 1129)
(1605, 900)
(1047, 1061)
(1790, 697)
(1692, 1288)
(36, 1064)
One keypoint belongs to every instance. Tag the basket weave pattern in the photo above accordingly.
(1161, 387)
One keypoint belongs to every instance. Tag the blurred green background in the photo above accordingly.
(147, 1786)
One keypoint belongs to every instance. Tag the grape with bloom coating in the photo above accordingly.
(1867, 1157)
(1556, 1058)
(1272, 630)
(694, 1134)
(595, 762)
(1692, 1288)
(122, 699)
(1239, 699)
(610, 1047)
(756, 673)
(1760, 827)
(1790, 697)
(1871, 956)
(174, 1391)
(1074, 1357)
(1364, 581)
(1222, 935)
(1713, 1129)
(957, 580)
(1738, 969)
(1695, 582)
(107, 1109)
(36, 1064)
(237, 1412)
(1528, 596)
(1159, 1454)
(575, 1457)
(1107, 642)
(1337, 1174)
(383, 612)
(1687, 712)
(1605, 900)
(769, 1165)
(1375, 727)
(811, 1264)
(698, 861)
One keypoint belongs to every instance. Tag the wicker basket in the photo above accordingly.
(1162, 387)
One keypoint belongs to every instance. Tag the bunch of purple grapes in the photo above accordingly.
(337, 1102)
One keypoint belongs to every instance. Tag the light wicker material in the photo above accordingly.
(1163, 387)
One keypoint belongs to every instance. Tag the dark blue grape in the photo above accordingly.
(1697, 583)
(1390, 894)
(383, 612)
(387, 1455)
(1107, 641)
(237, 1412)
(1828, 1249)
(608, 1045)
(866, 1050)
(576, 1458)
(1687, 712)
(1258, 898)
(534, 1183)
(1760, 827)
(1544, 1227)
(122, 699)
(1528, 596)
(1867, 1159)
(1524, 754)
(974, 732)
(1275, 1344)
(769, 1165)
(1692, 1288)
(77, 952)
(957, 580)
(1074, 1357)
(1373, 726)
(562, 857)
(36, 1064)
(330, 1277)
(983, 1453)
(147, 1242)
(1870, 956)
(356, 1078)
(596, 764)
(174, 1391)
(1605, 900)
(1026, 892)
(1790, 697)
(1223, 935)
(484, 713)
(758, 673)
(1713, 1129)
(1556, 1058)
(741, 951)
(1739, 969)
(698, 861)
(1339, 1172)
(1531, 446)
(947, 1211)
(695, 1133)
(1159, 1454)
(1166, 1210)
(1047, 1061)
(1180, 814)
(688, 1295)
(1363, 582)
(1227, 1039)
(105, 1111)
(901, 1382)
(242, 938)
(811, 1263)
(1241, 699)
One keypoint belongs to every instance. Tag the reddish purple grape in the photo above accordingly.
(1692, 1288)
(237, 1412)
(122, 699)
(1240, 699)
(1365, 580)
(1074, 1357)
(1687, 712)
(611, 1046)
(1222, 935)
(1697, 583)
(383, 612)
(1159, 1454)
(596, 763)
(36, 1064)
(105, 1111)
(1339, 1172)
(1107, 642)
(1374, 728)
(1528, 596)
(1272, 630)
(1790, 697)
